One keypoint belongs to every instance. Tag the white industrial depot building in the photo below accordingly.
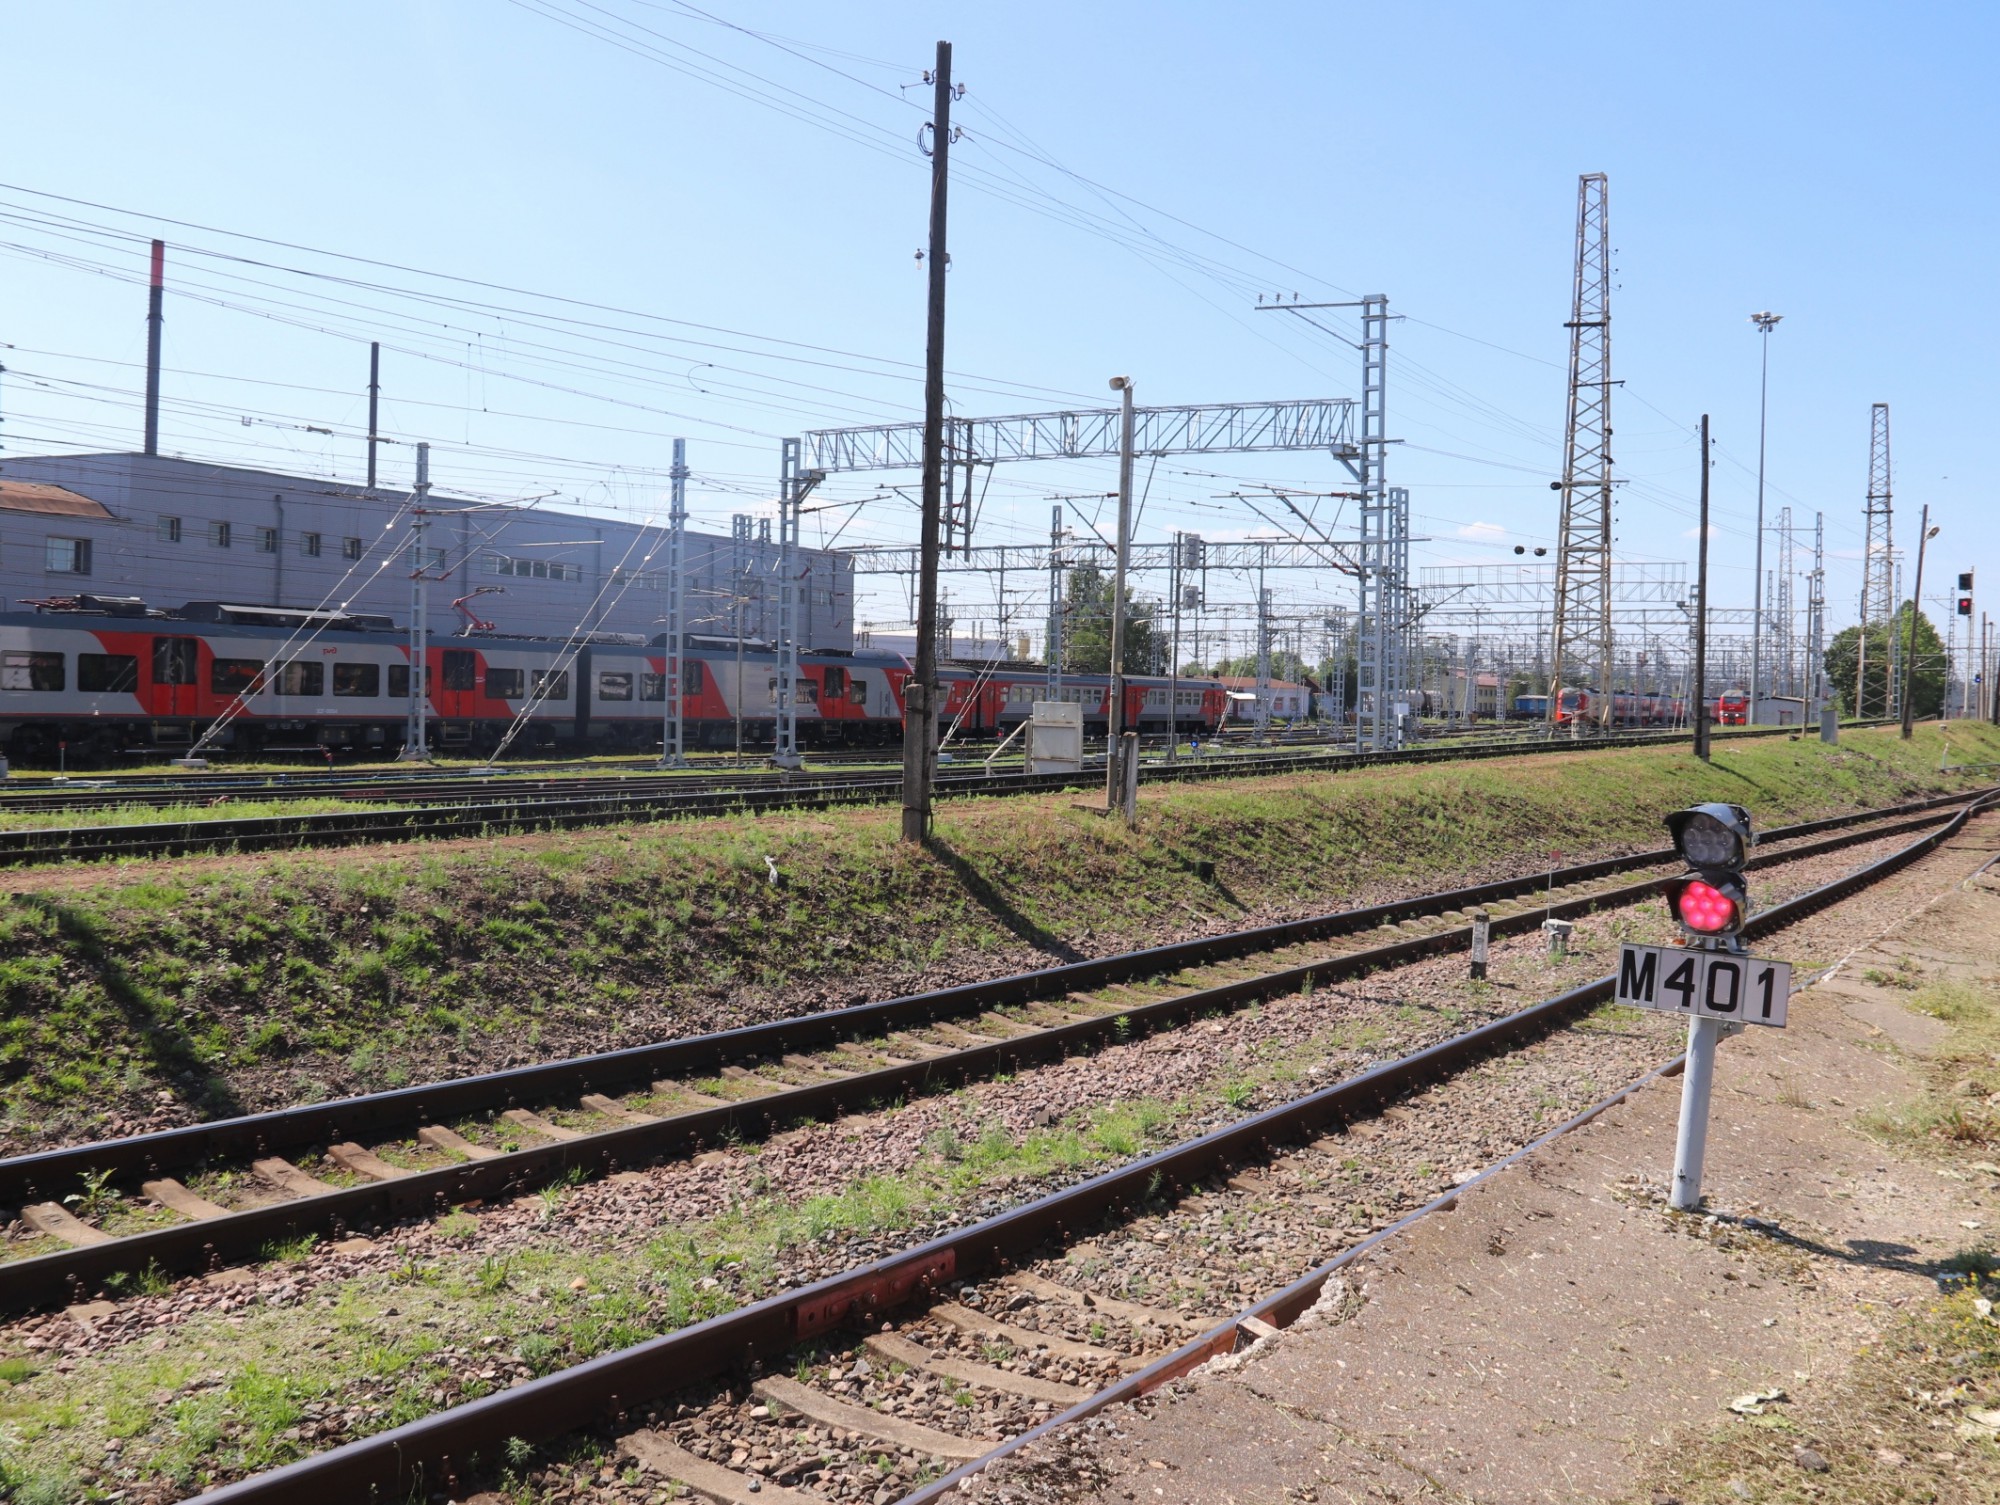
(170, 530)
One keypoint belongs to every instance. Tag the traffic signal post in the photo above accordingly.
(1716, 983)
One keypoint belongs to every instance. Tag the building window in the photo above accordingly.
(170, 530)
(307, 678)
(267, 540)
(425, 559)
(218, 535)
(532, 569)
(350, 548)
(68, 556)
(309, 545)
(31, 671)
(107, 673)
(357, 679)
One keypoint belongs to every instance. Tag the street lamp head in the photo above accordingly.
(1766, 321)
(1121, 383)
(1932, 534)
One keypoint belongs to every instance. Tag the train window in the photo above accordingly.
(236, 676)
(359, 679)
(302, 678)
(693, 680)
(835, 682)
(654, 687)
(107, 673)
(551, 684)
(614, 685)
(31, 671)
(857, 691)
(173, 661)
(505, 684)
(461, 669)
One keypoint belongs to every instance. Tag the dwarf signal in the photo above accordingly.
(1710, 900)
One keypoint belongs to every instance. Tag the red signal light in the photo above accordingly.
(1705, 909)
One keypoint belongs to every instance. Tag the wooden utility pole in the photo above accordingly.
(1701, 610)
(920, 690)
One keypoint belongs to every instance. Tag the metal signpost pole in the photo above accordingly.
(1697, 1085)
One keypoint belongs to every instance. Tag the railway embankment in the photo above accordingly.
(141, 995)
(1824, 1329)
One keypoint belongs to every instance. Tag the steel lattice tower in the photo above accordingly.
(1878, 582)
(1783, 624)
(1582, 635)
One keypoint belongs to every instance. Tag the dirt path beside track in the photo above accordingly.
(1563, 1337)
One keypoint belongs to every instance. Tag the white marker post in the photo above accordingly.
(1720, 988)
(1482, 931)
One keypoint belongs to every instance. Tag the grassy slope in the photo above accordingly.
(220, 987)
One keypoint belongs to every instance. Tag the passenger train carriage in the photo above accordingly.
(99, 675)
(994, 698)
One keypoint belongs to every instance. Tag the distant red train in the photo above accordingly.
(1627, 709)
(1732, 708)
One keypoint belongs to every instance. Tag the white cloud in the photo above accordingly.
(1482, 531)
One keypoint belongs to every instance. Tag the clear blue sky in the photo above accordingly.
(1829, 161)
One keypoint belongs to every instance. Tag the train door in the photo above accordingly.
(581, 724)
(176, 669)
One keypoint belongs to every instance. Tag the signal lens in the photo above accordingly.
(1706, 908)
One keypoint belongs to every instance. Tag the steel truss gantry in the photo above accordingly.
(1878, 565)
(1194, 429)
(1581, 655)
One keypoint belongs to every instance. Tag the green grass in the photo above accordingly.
(1950, 1113)
(237, 987)
(146, 815)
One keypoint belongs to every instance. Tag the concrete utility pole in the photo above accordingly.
(920, 690)
(1925, 533)
(1114, 780)
(416, 732)
(673, 727)
(154, 319)
(1701, 608)
(374, 404)
(1055, 638)
(1765, 322)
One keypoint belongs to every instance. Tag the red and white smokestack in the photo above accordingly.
(153, 347)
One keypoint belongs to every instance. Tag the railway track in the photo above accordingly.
(478, 808)
(192, 1199)
(794, 1399)
(443, 785)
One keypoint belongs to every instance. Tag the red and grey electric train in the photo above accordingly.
(98, 676)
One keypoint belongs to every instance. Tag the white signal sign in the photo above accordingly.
(1706, 984)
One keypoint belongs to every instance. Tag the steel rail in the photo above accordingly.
(71, 1274)
(529, 813)
(427, 1453)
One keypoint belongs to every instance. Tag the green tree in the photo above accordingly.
(1887, 642)
(1087, 626)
